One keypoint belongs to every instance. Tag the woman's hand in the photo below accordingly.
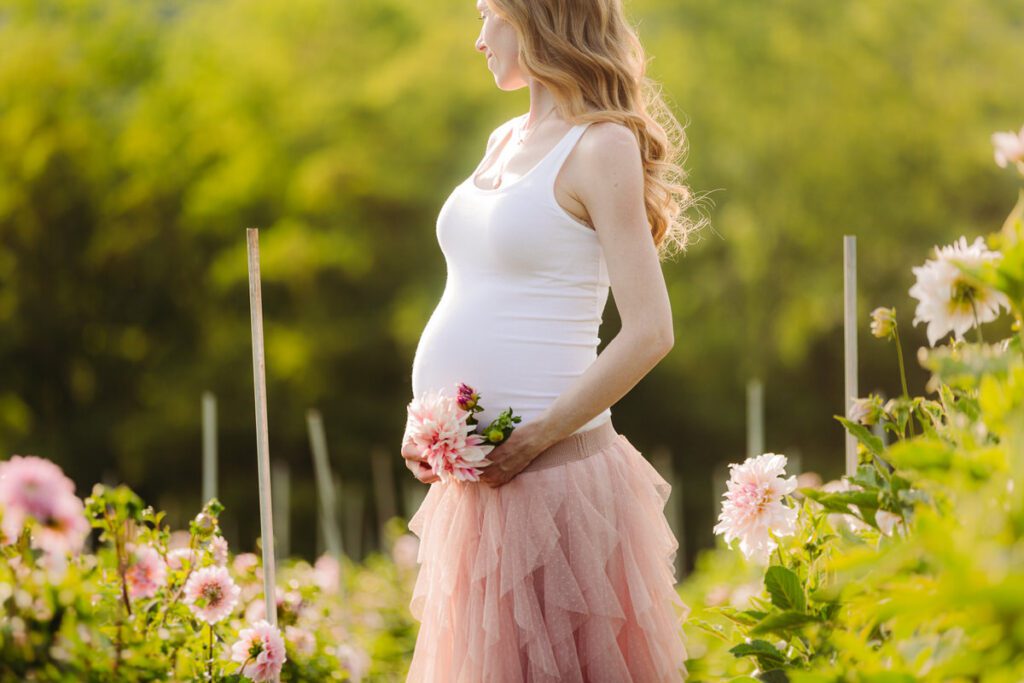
(510, 457)
(417, 464)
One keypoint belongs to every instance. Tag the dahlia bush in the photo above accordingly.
(911, 568)
(136, 601)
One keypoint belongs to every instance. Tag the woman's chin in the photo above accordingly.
(505, 83)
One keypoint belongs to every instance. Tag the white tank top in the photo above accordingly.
(525, 293)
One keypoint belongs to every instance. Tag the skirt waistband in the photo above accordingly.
(574, 447)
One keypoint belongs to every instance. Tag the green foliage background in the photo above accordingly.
(139, 138)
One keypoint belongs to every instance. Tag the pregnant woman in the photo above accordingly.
(558, 564)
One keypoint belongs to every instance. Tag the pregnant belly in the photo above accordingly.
(517, 361)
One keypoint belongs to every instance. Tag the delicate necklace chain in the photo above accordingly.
(521, 137)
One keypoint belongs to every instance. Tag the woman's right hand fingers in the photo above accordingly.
(422, 471)
(417, 464)
(411, 451)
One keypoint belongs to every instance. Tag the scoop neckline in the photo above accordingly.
(472, 176)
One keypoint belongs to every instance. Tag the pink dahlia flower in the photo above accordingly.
(753, 505)
(1009, 148)
(302, 640)
(260, 651)
(177, 558)
(355, 660)
(437, 425)
(211, 594)
(65, 530)
(146, 573)
(245, 563)
(33, 489)
(257, 609)
(327, 573)
(219, 550)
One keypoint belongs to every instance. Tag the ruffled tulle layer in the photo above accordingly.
(563, 574)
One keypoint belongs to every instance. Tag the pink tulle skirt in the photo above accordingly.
(563, 574)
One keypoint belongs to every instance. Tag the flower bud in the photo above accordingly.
(865, 410)
(467, 397)
(495, 435)
(883, 322)
(205, 523)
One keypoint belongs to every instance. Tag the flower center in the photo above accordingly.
(753, 497)
(963, 292)
(212, 593)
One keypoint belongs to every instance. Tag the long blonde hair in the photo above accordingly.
(590, 58)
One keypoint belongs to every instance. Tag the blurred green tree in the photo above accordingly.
(139, 138)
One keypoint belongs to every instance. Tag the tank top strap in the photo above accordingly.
(557, 156)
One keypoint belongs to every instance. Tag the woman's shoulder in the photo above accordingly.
(606, 162)
(602, 134)
(606, 143)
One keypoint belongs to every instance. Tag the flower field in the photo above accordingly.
(912, 567)
(909, 569)
(149, 604)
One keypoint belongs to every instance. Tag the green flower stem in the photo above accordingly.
(210, 663)
(903, 374)
(122, 561)
(177, 594)
(241, 667)
(977, 325)
(778, 547)
(1018, 316)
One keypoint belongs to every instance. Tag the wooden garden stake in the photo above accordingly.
(325, 491)
(383, 491)
(262, 437)
(755, 418)
(281, 480)
(324, 483)
(209, 446)
(661, 458)
(850, 341)
(354, 500)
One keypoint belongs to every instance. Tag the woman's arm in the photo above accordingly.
(611, 186)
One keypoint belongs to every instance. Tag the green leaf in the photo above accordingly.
(766, 654)
(868, 499)
(811, 677)
(782, 622)
(773, 676)
(737, 616)
(714, 629)
(784, 588)
(872, 442)
(867, 477)
(827, 500)
(922, 454)
(758, 648)
(888, 677)
(868, 514)
(829, 593)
